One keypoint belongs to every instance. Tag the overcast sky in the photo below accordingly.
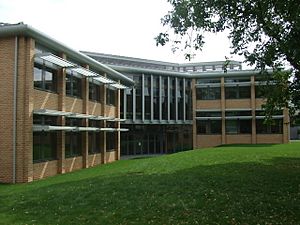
(119, 27)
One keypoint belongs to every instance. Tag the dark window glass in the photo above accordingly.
(164, 98)
(44, 146)
(238, 126)
(73, 144)
(208, 93)
(209, 114)
(180, 95)
(94, 143)
(188, 100)
(238, 113)
(45, 78)
(245, 126)
(110, 141)
(172, 99)
(208, 81)
(156, 98)
(73, 86)
(275, 128)
(147, 93)
(209, 126)
(237, 80)
(138, 96)
(129, 104)
(94, 92)
(237, 92)
(110, 97)
(231, 126)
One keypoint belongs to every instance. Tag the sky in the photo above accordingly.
(118, 27)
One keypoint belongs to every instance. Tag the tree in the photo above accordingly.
(266, 32)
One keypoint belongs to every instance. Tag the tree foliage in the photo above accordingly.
(266, 33)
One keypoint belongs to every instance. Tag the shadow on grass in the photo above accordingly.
(233, 193)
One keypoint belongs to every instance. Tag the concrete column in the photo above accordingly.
(194, 101)
(103, 113)
(143, 97)
(160, 98)
(61, 89)
(85, 110)
(286, 126)
(223, 107)
(253, 108)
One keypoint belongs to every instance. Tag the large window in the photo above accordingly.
(164, 98)
(73, 145)
(94, 140)
(238, 126)
(237, 92)
(94, 91)
(209, 126)
(208, 93)
(129, 103)
(45, 78)
(44, 143)
(110, 141)
(188, 100)
(138, 96)
(110, 96)
(172, 98)
(147, 94)
(73, 85)
(274, 128)
(180, 96)
(156, 98)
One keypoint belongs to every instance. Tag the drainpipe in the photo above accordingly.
(15, 109)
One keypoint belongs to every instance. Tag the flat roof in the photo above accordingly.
(20, 29)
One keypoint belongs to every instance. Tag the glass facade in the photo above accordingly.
(164, 98)
(73, 85)
(45, 78)
(156, 89)
(147, 95)
(73, 143)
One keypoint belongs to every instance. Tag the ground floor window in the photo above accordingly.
(44, 146)
(209, 126)
(73, 144)
(274, 128)
(110, 141)
(238, 126)
(94, 143)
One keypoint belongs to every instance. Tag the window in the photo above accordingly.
(209, 126)
(44, 143)
(73, 139)
(209, 114)
(156, 98)
(237, 79)
(180, 96)
(275, 128)
(164, 98)
(45, 78)
(147, 94)
(238, 126)
(138, 97)
(110, 96)
(238, 113)
(208, 81)
(129, 103)
(94, 140)
(172, 98)
(208, 93)
(188, 100)
(110, 141)
(73, 85)
(94, 92)
(237, 92)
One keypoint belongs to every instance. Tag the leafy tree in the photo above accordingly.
(265, 32)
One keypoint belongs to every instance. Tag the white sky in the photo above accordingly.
(119, 27)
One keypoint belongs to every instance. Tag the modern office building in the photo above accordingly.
(63, 110)
(60, 110)
(174, 107)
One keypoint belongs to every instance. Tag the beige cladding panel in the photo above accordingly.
(6, 107)
(110, 156)
(238, 139)
(94, 159)
(73, 105)
(44, 169)
(72, 164)
(208, 104)
(238, 103)
(45, 100)
(95, 108)
(259, 102)
(204, 141)
(110, 110)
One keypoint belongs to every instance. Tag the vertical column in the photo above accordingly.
(143, 97)
(184, 101)
(168, 95)
(133, 104)
(151, 99)
(176, 98)
(61, 89)
(253, 107)
(194, 107)
(118, 134)
(160, 99)
(223, 107)
(286, 126)
(85, 110)
(103, 133)
(124, 104)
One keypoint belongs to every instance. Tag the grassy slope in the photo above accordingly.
(224, 185)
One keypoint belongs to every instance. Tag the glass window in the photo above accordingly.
(155, 98)
(164, 98)
(208, 81)
(94, 92)
(110, 97)
(237, 79)
(138, 96)
(73, 85)
(209, 114)
(180, 96)
(129, 103)
(208, 93)
(147, 93)
(238, 113)
(237, 92)
(44, 146)
(238, 126)
(275, 128)
(172, 98)
(94, 139)
(188, 100)
(45, 78)
(209, 126)
(73, 145)
(231, 126)
(110, 141)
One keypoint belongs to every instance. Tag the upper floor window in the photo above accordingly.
(73, 85)
(94, 91)
(208, 93)
(209, 81)
(110, 96)
(45, 78)
(209, 126)
(237, 92)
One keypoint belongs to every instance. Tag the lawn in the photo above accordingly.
(242, 184)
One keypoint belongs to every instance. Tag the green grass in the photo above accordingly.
(243, 184)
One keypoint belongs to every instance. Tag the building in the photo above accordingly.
(63, 110)
(60, 109)
(174, 107)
